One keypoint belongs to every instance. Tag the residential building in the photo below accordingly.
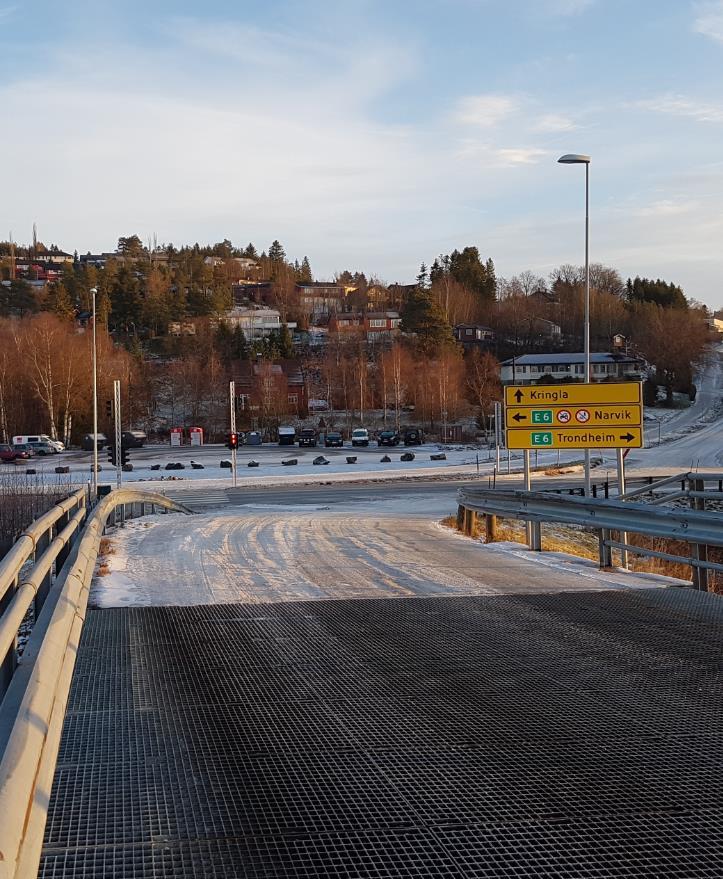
(381, 324)
(256, 323)
(270, 390)
(529, 369)
(346, 321)
(472, 336)
(318, 298)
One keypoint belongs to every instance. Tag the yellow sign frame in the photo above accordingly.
(594, 394)
(540, 417)
(544, 437)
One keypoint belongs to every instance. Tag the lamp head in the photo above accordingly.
(574, 159)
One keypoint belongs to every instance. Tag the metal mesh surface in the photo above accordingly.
(567, 735)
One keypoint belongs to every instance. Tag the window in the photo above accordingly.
(293, 399)
(243, 401)
(377, 323)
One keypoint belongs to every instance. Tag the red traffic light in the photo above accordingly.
(232, 441)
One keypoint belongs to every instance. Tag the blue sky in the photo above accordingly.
(372, 135)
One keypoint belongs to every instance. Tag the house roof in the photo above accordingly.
(566, 359)
(473, 327)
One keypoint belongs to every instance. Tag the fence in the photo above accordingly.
(33, 707)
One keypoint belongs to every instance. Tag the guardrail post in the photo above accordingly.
(65, 550)
(605, 552)
(41, 545)
(699, 502)
(490, 528)
(700, 575)
(535, 537)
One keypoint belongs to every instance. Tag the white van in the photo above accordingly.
(24, 439)
(360, 437)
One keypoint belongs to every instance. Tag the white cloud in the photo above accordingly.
(491, 156)
(552, 123)
(485, 111)
(667, 208)
(679, 105)
(709, 20)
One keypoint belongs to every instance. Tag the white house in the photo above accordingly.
(256, 323)
(529, 369)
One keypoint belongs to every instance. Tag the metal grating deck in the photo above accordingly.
(569, 735)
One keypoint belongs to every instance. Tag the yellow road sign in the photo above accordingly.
(574, 416)
(575, 438)
(612, 393)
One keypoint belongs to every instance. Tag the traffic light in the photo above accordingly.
(109, 409)
(111, 454)
(124, 454)
(232, 441)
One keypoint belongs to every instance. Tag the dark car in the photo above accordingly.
(413, 436)
(307, 437)
(333, 439)
(87, 441)
(388, 438)
(133, 439)
(23, 450)
(9, 454)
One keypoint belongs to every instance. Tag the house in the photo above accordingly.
(381, 324)
(318, 298)
(256, 323)
(546, 328)
(214, 261)
(345, 322)
(271, 390)
(181, 328)
(472, 336)
(529, 369)
(252, 291)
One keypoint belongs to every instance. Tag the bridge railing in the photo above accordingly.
(697, 527)
(33, 707)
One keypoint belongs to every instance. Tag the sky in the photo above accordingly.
(371, 135)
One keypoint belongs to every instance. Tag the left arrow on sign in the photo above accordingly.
(518, 417)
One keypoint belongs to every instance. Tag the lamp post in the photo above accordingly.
(94, 292)
(578, 159)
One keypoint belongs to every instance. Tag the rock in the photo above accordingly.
(175, 465)
(31, 471)
(253, 464)
(438, 457)
(407, 456)
(196, 466)
(351, 459)
(155, 466)
(127, 468)
(225, 465)
(62, 469)
(385, 459)
(320, 460)
(289, 462)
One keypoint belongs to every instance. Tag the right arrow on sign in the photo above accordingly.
(628, 437)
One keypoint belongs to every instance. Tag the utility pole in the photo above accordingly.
(232, 406)
(117, 412)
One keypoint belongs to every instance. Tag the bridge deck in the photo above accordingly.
(568, 735)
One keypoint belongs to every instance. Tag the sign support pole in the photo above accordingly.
(621, 491)
(232, 406)
(498, 431)
(117, 412)
(527, 487)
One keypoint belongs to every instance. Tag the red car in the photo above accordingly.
(9, 454)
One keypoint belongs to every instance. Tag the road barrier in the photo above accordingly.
(33, 707)
(698, 527)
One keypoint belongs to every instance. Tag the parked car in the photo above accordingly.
(24, 439)
(287, 436)
(360, 437)
(307, 437)
(413, 436)
(87, 442)
(24, 449)
(333, 438)
(133, 439)
(388, 438)
(43, 448)
(9, 454)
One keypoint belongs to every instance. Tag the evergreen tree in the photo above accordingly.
(286, 343)
(423, 317)
(305, 275)
(277, 254)
(422, 277)
(250, 252)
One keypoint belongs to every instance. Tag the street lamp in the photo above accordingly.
(94, 291)
(578, 159)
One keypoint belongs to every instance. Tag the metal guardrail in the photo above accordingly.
(33, 709)
(699, 528)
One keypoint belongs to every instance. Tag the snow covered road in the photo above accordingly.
(261, 555)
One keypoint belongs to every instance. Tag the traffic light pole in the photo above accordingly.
(232, 406)
(117, 411)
